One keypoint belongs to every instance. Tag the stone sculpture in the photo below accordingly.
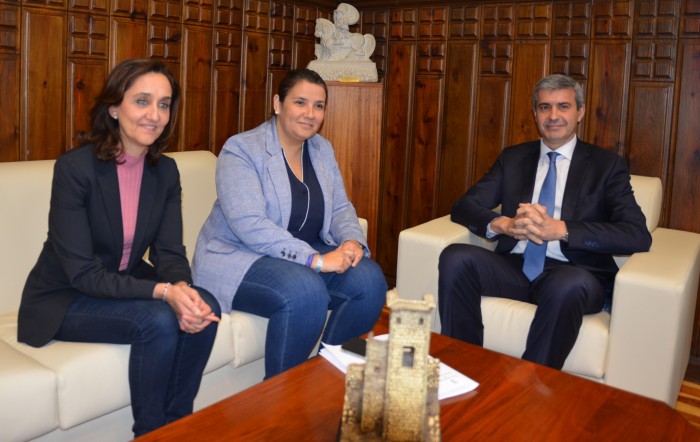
(341, 54)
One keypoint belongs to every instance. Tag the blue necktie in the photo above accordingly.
(534, 255)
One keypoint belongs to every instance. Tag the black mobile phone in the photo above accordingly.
(355, 345)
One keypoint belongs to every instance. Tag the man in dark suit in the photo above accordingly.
(566, 207)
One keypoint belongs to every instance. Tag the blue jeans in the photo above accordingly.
(165, 364)
(296, 300)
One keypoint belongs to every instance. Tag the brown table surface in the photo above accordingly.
(515, 400)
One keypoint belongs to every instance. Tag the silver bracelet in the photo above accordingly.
(319, 264)
(165, 291)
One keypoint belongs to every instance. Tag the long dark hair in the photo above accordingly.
(104, 130)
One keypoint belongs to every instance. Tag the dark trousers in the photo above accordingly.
(165, 363)
(563, 293)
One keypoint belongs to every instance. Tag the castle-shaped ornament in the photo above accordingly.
(394, 395)
(341, 54)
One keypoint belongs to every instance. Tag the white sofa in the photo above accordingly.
(73, 391)
(642, 347)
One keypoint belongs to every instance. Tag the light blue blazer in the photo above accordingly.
(251, 214)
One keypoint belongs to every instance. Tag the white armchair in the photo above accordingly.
(643, 347)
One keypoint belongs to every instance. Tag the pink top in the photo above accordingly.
(129, 173)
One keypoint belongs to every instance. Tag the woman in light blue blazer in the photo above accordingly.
(282, 240)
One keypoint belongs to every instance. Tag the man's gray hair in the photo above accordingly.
(559, 81)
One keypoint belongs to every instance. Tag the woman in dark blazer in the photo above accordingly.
(112, 199)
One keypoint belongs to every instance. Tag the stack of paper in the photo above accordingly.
(452, 382)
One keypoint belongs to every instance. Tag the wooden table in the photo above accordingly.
(516, 400)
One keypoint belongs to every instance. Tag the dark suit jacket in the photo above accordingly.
(598, 206)
(84, 246)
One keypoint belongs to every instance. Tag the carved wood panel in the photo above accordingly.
(400, 69)
(254, 81)
(493, 99)
(9, 72)
(455, 155)
(225, 114)
(128, 39)
(85, 79)
(531, 62)
(43, 80)
(196, 87)
(608, 94)
(427, 117)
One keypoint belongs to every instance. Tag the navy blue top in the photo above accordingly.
(306, 220)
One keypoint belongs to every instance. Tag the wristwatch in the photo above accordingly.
(565, 238)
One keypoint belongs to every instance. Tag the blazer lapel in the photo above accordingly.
(577, 172)
(277, 172)
(529, 169)
(108, 183)
(149, 183)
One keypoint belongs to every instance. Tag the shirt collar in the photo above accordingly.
(567, 150)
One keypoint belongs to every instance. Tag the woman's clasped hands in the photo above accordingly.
(193, 314)
(346, 255)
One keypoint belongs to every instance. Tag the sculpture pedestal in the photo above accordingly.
(364, 70)
(353, 123)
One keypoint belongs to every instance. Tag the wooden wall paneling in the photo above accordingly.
(226, 71)
(531, 63)
(128, 39)
(651, 105)
(458, 127)
(254, 86)
(353, 123)
(649, 127)
(10, 90)
(377, 23)
(690, 18)
(254, 81)
(226, 75)
(397, 133)
(493, 99)
(225, 113)
(167, 10)
(279, 63)
(9, 108)
(88, 50)
(533, 20)
(608, 93)
(303, 45)
(685, 191)
(89, 6)
(427, 121)
(43, 80)
(571, 57)
(228, 13)
(494, 87)
(572, 19)
(165, 42)
(613, 18)
(85, 79)
(52, 4)
(196, 84)
(134, 9)
(198, 12)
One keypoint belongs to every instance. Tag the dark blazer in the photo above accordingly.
(598, 206)
(85, 240)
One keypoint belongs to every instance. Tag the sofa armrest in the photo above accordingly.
(419, 252)
(652, 316)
